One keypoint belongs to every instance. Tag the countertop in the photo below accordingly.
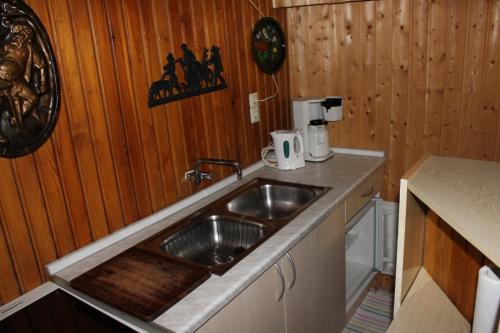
(342, 172)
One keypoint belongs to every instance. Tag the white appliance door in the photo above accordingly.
(361, 252)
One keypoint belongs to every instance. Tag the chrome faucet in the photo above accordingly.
(196, 175)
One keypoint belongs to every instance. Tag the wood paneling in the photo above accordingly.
(111, 160)
(453, 263)
(294, 3)
(417, 76)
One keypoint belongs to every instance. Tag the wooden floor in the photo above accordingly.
(383, 281)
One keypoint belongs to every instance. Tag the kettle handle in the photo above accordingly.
(301, 142)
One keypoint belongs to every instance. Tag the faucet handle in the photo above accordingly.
(190, 175)
(196, 176)
(205, 175)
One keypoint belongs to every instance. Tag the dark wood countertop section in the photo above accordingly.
(140, 283)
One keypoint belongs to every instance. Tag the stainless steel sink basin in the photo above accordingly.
(214, 240)
(220, 234)
(209, 240)
(273, 200)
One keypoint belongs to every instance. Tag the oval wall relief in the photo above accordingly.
(29, 84)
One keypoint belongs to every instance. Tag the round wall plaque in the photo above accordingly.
(268, 45)
(29, 85)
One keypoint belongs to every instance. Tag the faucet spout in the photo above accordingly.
(199, 175)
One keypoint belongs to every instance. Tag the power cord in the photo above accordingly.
(257, 8)
(271, 159)
(272, 96)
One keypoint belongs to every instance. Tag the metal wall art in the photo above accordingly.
(200, 77)
(29, 86)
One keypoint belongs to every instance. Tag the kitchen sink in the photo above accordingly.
(267, 199)
(220, 234)
(214, 240)
(209, 240)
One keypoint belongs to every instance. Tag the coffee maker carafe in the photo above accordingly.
(319, 145)
(311, 117)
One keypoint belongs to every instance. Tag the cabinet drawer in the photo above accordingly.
(363, 193)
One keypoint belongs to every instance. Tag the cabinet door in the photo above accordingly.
(256, 309)
(316, 301)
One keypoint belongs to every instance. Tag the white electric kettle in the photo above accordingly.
(289, 149)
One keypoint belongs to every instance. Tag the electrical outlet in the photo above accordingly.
(254, 107)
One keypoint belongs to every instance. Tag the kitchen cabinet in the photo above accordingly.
(315, 295)
(259, 308)
(363, 193)
(303, 291)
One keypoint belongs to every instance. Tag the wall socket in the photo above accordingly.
(254, 107)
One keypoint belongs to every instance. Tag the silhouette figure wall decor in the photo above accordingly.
(29, 85)
(200, 77)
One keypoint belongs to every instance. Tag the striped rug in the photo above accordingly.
(374, 315)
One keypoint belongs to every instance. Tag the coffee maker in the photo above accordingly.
(311, 117)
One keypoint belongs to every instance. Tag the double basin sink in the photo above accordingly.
(219, 235)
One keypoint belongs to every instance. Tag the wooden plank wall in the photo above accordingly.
(111, 160)
(417, 76)
(453, 263)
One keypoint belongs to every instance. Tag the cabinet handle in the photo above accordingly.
(278, 268)
(290, 260)
(370, 192)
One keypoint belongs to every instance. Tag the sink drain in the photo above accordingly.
(221, 259)
(224, 258)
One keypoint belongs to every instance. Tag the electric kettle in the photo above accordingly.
(289, 149)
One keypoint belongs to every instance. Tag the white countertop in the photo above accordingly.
(342, 172)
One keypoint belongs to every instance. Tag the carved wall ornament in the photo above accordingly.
(29, 84)
(268, 45)
(200, 77)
